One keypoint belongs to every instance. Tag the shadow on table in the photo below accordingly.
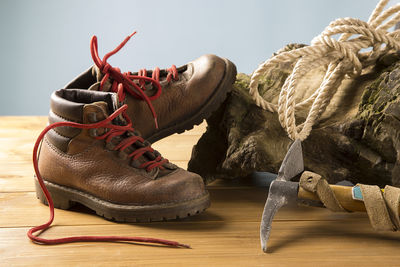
(356, 230)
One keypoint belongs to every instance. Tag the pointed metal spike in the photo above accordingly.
(273, 204)
(280, 193)
(293, 163)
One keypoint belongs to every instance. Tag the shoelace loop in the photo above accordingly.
(126, 78)
(114, 131)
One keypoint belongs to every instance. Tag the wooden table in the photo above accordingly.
(227, 234)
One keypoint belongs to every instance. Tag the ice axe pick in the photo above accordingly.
(282, 191)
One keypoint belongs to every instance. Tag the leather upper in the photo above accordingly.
(90, 165)
(198, 81)
(67, 105)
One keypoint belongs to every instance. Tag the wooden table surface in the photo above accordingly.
(227, 234)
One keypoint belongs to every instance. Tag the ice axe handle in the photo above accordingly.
(343, 195)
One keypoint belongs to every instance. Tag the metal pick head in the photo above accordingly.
(293, 163)
(282, 191)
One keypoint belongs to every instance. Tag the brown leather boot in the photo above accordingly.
(175, 98)
(108, 166)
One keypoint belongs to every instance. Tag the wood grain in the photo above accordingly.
(227, 234)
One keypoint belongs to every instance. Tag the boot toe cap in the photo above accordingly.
(208, 71)
(179, 186)
(207, 75)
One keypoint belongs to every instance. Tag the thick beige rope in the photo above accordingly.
(342, 57)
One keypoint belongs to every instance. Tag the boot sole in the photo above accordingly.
(212, 104)
(66, 197)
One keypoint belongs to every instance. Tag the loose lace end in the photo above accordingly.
(113, 130)
(184, 246)
(156, 122)
(132, 34)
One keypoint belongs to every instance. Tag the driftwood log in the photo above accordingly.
(357, 138)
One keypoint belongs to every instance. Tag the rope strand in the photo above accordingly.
(343, 57)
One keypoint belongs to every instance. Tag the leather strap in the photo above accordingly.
(376, 208)
(392, 199)
(314, 183)
(382, 207)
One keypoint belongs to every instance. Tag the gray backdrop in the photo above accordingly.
(44, 44)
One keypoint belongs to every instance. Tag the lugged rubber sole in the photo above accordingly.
(65, 198)
(213, 103)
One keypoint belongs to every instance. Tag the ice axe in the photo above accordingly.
(281, 189)
(342, 198)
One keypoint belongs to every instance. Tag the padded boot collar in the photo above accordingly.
(68, 103)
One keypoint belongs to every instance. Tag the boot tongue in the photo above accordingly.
(104, 108)
(105, 102)
(98, 75)
(113, 104)
(112, 101)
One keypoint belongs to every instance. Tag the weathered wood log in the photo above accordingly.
(357, 138)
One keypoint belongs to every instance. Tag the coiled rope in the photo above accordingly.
(340, 57)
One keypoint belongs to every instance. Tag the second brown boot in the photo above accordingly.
(167, 101)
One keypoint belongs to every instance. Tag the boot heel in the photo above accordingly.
(60, 198)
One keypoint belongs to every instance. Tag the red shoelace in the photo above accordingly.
(127, 79)
(113, 131)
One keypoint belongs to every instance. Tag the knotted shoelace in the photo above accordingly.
(127, 78)
(113, 131)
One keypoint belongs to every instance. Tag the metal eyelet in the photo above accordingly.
(110, 146)
(122, 154)
(152, 173)
(170, 166)
(139, 144)
(150, 155)
(156, 153)
(93, 132)
(135, 163)
(146, 143)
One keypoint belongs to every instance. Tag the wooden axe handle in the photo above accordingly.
(343, 195)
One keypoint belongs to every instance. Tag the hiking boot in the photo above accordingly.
(107, 166)
(163, 102)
